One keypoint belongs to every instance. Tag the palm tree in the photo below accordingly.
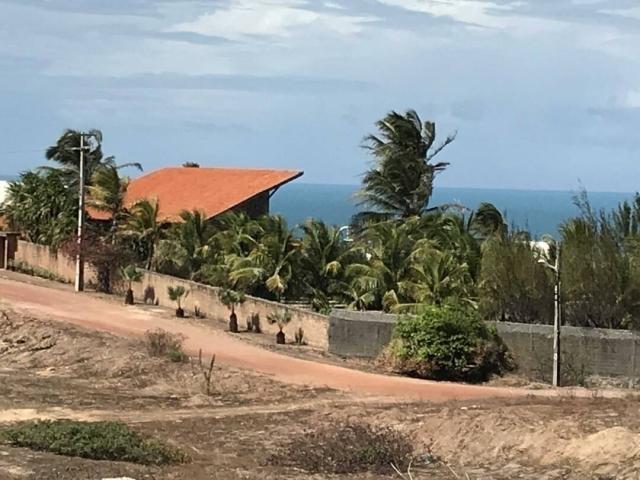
(130, 274)
(66, 153)
(324, 255)
(387, 250)
(143, 225)
(230, 298)
(271, 263)
(237, 233)
(176, 294)
(437, 276)
(281, 319)
(400, 183)
(188, 247)
(108, 190)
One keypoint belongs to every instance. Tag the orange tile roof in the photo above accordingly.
(211, 190)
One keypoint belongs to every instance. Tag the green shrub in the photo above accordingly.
(447, 343)
(347, 448)
(98, 441)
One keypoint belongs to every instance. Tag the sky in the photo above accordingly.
(543, 94)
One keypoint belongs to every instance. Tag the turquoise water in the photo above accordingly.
(540, 212)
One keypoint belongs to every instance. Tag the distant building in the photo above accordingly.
(4, 185)
(213, 191)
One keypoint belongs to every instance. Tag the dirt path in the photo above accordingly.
(62, 304)
(161, 415)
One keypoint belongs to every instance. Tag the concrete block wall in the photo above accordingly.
(585, 351)
(314, 325)
(44, 258)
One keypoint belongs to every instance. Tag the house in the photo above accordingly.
(213, 191)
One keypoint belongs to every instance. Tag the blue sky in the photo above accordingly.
(543, 93)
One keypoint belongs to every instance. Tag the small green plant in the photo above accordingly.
(130, 274)
(300, 336)
(161, 343)
(281, 319)
(113, 441)
(447, 342)
(347, 448)
(230, 298)
(177, 294)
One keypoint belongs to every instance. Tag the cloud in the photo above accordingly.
(272, 18)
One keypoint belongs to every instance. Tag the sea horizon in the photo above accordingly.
(538, 211)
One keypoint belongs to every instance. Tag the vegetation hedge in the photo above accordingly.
(113, 441)
(448, 342)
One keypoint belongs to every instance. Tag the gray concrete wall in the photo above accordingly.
(359, 334)
(586, 352)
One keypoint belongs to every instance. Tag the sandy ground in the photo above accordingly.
(49, 369)
(60, 303)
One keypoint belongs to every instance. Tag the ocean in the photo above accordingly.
(540, 212)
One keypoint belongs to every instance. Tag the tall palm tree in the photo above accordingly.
(66, 154)
(143, 225)
(108, 190)
(400, 183)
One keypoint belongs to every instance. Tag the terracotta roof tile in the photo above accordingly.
(212, 190)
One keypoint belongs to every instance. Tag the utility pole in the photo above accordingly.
(79, 280)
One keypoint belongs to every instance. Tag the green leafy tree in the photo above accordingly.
(281, 319)
(231, 298)
(514, 286)
(41, 207)
(400, 182)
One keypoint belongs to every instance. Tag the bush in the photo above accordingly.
(447, 343)
(98, 441)
(347, 448)
(161, 343)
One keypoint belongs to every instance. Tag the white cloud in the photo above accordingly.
(271, 18)
(632, 99)
(479, 13)
(633, 12)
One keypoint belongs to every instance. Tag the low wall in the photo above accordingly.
(359, 334)
(155, 285)
(585, 352)
(314, 325)
(43, 259)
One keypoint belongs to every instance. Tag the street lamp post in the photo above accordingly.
(557, 316)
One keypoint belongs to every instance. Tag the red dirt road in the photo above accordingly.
(89, 311)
